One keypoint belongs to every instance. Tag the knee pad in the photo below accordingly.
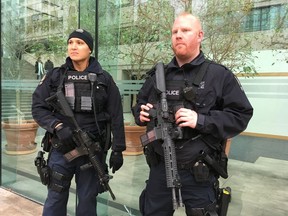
(59, 182)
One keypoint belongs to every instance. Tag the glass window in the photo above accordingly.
(129, 39)
(266, 18)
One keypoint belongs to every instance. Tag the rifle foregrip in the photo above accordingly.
(170, 162)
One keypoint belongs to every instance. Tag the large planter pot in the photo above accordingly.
(20, 137)
(133, 144)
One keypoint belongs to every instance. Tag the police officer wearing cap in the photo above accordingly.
(96, 103)
(207, 114)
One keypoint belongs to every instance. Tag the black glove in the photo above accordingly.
(65, 135)
(116, 161)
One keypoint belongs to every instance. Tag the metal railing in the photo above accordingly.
(17, 93)
(126, 87)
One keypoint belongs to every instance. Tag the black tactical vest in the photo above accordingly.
(83, 91)
(78, 91)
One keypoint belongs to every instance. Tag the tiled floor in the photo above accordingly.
(259, 188)
(15, 205)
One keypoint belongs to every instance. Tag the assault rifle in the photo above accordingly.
(164, 131)
(85, 145)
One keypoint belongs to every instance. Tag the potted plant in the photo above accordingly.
(17, 124)
(20, 137)
(20, 132)
(132, 136)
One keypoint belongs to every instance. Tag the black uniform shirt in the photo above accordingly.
(222, 106)
(47, 119)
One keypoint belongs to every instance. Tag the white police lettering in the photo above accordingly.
(172, 92)
(77, 77)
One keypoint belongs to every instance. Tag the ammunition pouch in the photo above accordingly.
(201, 172)
(56, 178)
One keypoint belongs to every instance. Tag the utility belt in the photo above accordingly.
(206, 164)
(185, 166)
(201, 171)
(202, 166)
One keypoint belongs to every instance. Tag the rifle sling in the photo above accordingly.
(201, 73)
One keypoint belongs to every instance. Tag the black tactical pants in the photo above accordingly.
(157, 198)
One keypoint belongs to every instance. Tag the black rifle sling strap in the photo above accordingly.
(62, 77)
(201, 73)
(190, 92)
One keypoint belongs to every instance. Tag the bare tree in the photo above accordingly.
(12, 49)
(147, 38)
(224, 41)
(277, 39)
(34, 35)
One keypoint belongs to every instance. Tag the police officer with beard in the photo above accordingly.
(96, 103)
(208, 114)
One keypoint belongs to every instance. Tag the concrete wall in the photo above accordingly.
(269, 97)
